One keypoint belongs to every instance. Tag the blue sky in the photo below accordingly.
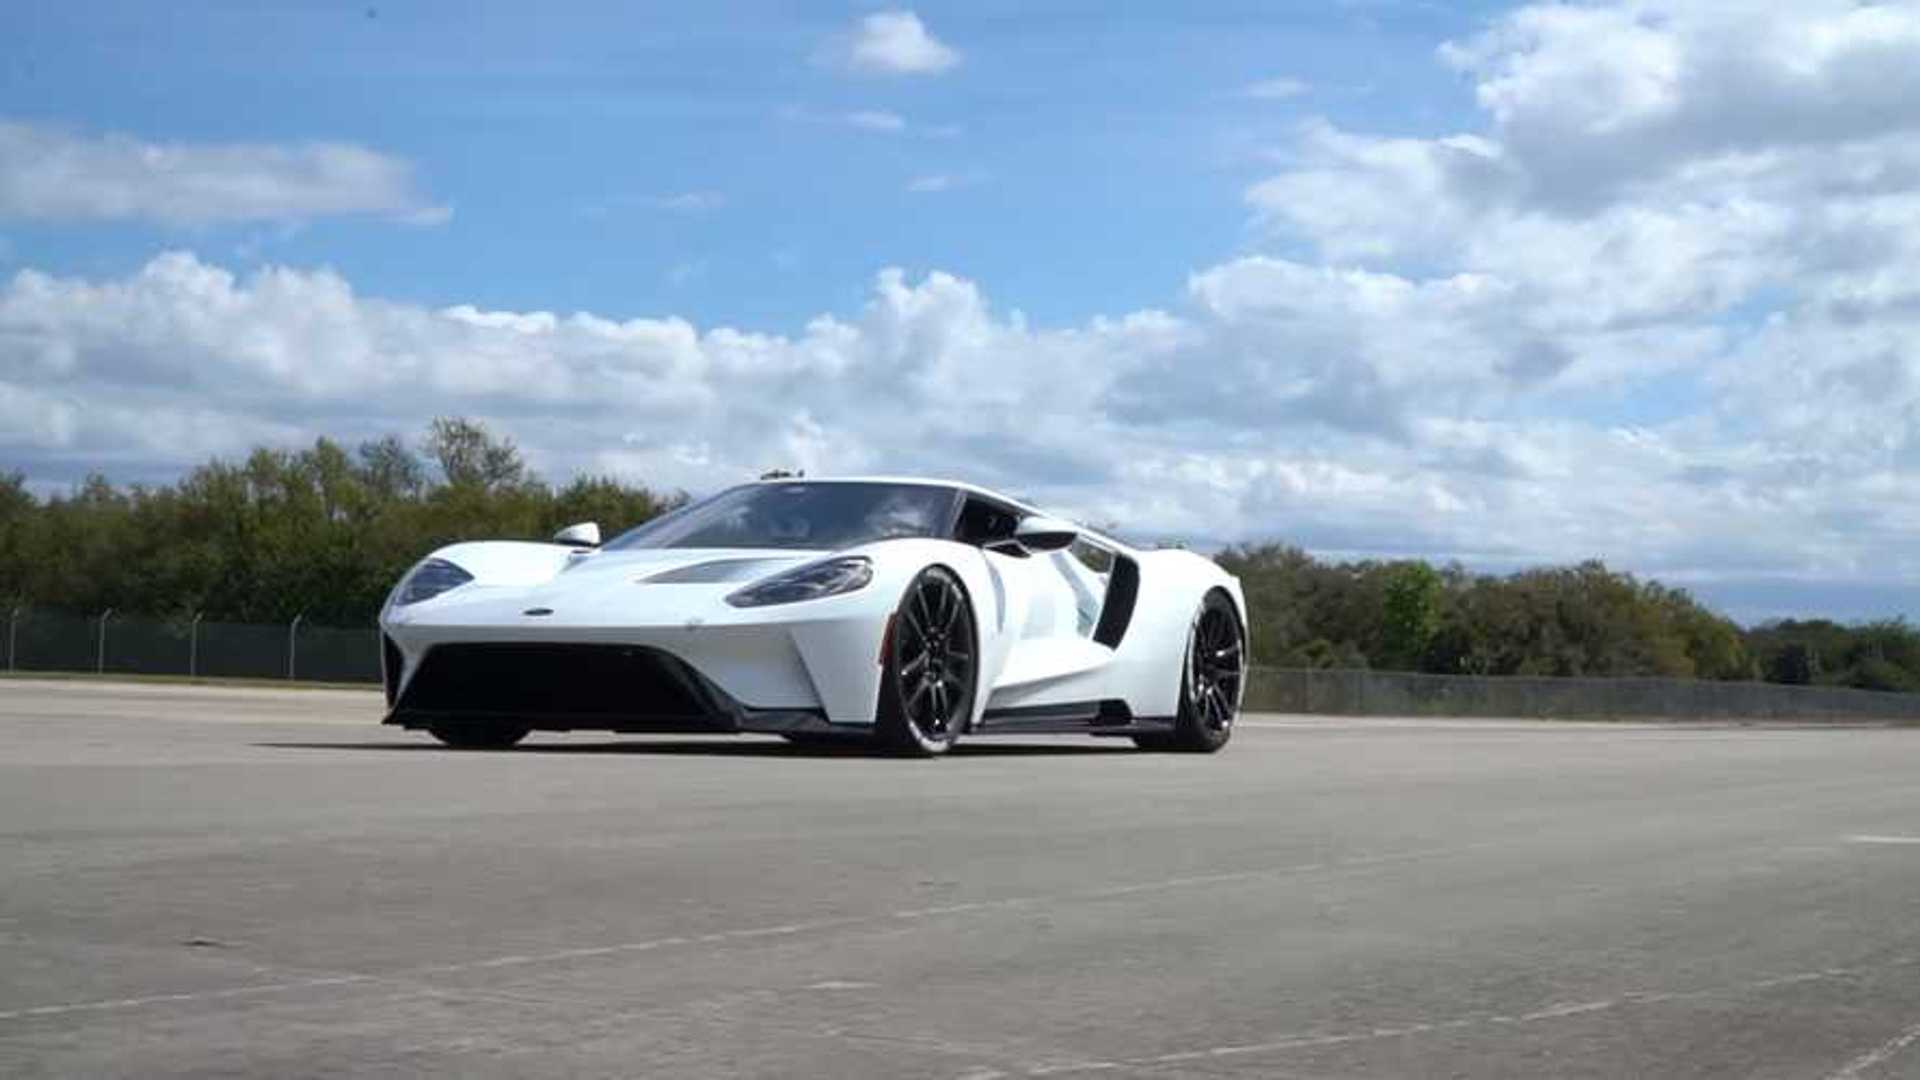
(1502, 283)
(559, 134)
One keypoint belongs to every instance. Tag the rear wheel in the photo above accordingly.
(1210, 681)
(479, 735)
(926, 691)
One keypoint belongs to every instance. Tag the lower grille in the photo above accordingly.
(610, 686)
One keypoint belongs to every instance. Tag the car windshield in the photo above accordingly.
(819, 516)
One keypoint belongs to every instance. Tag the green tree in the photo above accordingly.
(390, 470)
(285, 531)
(1409, 613)
(470, 456)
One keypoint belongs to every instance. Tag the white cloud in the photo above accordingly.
(1595, 101)
(893, 43)
(1276, 89)
(1274, 398)
(876, 120)
(1703, 215)
(51, 174)
(686, 271)
(1701, 359)
(934, 183)
(687, 201)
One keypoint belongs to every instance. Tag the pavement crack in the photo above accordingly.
(1316, 1039)
(1877, 1056)
(746, 934)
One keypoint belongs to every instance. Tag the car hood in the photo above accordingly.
(499, 563)
(521, 585)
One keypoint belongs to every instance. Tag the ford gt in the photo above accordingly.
(902, 613)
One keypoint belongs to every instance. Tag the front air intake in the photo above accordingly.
(605, 686)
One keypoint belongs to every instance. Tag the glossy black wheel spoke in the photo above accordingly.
(1214, 668)
(933, 658)
(912, 622)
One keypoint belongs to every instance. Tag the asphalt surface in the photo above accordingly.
(263, 883)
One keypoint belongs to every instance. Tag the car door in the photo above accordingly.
(1047, 610)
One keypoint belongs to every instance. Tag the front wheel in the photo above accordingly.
(815, 740)
(926, 691)
(1210, 681)
(479, 735)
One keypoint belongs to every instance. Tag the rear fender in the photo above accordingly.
(1152, 657)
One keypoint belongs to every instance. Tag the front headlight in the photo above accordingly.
(830, 577)
(428, 580)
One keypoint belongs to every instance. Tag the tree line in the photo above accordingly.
(1573, 621)
(327, 530)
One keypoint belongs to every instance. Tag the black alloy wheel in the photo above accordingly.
(926, 693)
(1210, 681)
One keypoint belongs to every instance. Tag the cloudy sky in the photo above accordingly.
(1637, 281)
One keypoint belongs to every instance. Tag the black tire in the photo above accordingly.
(830, 739)
(479, 734)
(932, 668)
(1211, 679)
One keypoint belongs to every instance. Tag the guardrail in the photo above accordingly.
(113, 643)
(1395, 693)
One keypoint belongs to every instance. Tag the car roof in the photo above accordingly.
(922, 481)
(932, 481)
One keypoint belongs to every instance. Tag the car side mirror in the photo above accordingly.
(1039, 533)
(584, 535)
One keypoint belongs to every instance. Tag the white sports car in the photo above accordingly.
(904, 612)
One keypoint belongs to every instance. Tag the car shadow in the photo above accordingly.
(723, 748)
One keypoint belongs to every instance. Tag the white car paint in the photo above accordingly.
(1034, 617)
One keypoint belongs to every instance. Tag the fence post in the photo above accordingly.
(13, 626)
(100, 656)
(193, 645)
(293, 634)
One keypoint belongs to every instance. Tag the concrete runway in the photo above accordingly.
(263, 883)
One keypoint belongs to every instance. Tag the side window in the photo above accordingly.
(1086, 568)
(982, 522)
(1093, 556)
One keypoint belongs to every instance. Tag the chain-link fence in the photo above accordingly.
(111, 643)
(1392, 693)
